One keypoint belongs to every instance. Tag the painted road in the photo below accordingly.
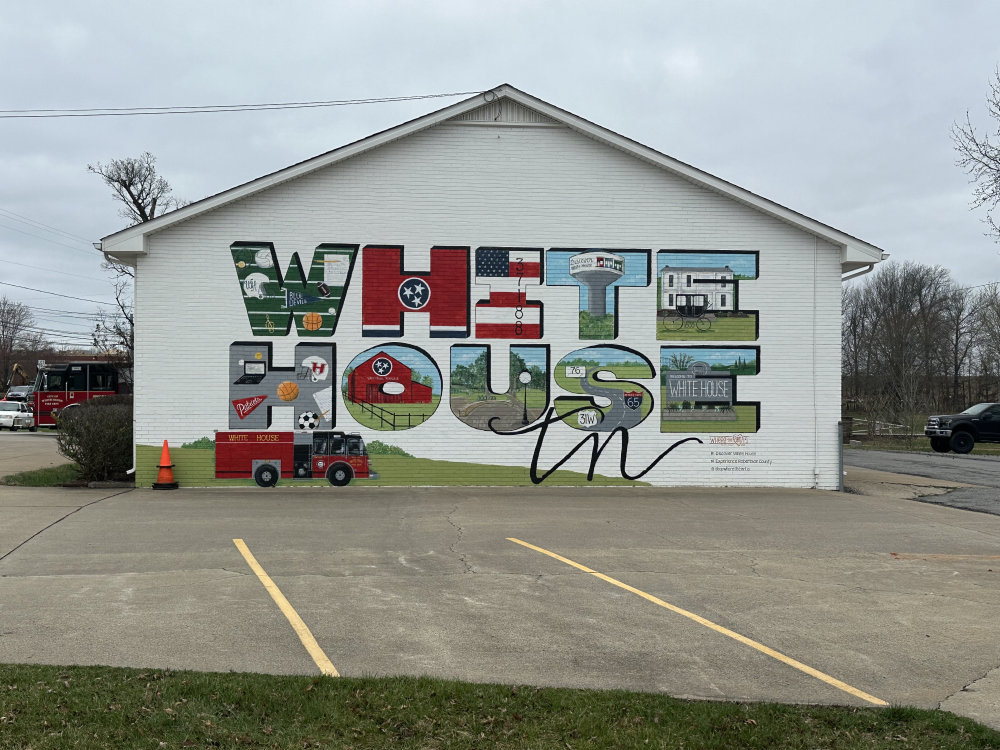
(617, 414)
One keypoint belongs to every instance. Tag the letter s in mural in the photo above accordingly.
(610, 402)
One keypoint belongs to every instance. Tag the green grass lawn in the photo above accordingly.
(723, 329)
(51, 707)
(195, 467)
(50, 477)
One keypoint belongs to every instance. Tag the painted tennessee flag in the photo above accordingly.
(508, 313)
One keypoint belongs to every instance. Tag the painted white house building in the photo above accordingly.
(712, 287)
(490, 273)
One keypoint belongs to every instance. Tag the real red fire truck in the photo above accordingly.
(268, 456)
(59, 386)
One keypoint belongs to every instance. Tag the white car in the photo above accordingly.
(16, 414)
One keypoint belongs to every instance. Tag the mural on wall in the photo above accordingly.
(600, 276)
(274, 300)
(698, 389)
(284, 414)
(473, 400)
(259, 390)
(508, 313)
(698, 296)
(392, 387)
(608, 400)
(390, 292)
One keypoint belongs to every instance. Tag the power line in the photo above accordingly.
(6, 114)
(41, 225)
(62, 273)
(56, 294)
(47, 239)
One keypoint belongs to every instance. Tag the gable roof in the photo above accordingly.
(505, 104)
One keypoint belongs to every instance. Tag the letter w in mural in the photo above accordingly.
(312, 299)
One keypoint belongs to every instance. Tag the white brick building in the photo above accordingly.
(443, 246)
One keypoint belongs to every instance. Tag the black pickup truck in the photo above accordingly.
(961, 432)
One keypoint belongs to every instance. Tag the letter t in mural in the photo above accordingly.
(600, 275)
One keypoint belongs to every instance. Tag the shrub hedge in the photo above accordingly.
(97, 435)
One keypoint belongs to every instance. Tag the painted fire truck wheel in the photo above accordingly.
(339, 475)
(266, 475)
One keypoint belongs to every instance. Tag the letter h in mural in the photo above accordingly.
(390, 291)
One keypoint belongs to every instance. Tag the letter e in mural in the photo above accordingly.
(698, 296)
(698, 389)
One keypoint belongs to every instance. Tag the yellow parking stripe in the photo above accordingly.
(717, 628)
(324, 664)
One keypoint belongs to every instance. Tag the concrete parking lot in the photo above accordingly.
(764, 595)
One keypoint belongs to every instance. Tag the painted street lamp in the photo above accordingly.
(525, 377)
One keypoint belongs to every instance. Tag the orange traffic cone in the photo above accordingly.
(165, 479)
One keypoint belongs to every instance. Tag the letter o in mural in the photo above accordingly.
(392, 387)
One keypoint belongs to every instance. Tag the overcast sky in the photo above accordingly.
(841, 111)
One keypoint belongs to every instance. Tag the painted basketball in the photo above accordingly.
(312, 321)
(288, 391)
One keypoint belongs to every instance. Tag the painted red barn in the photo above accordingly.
(383, 379)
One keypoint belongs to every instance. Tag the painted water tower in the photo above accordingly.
(597, 270)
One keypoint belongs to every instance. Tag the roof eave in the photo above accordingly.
(132, 242)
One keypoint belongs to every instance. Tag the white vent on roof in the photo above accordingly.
(505, 111)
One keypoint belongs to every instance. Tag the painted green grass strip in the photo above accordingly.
(50, 707)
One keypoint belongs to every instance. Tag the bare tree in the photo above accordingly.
(979, 156)
(15, 320)
(144, 195)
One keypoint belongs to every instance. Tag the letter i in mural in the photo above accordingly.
(600, 276)
(508, 313)
(473, 399)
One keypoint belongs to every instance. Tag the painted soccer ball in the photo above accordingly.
(313, 321)
(288, 391)
(308, 420)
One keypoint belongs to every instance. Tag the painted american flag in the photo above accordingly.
(508, 313)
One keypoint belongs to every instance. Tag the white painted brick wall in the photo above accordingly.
(537, 186)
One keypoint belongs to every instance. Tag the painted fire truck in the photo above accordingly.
(268, 456)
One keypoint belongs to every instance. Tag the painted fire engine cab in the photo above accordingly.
(270, 456)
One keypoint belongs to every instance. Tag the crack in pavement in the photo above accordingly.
(460, 534)
(59, 520)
